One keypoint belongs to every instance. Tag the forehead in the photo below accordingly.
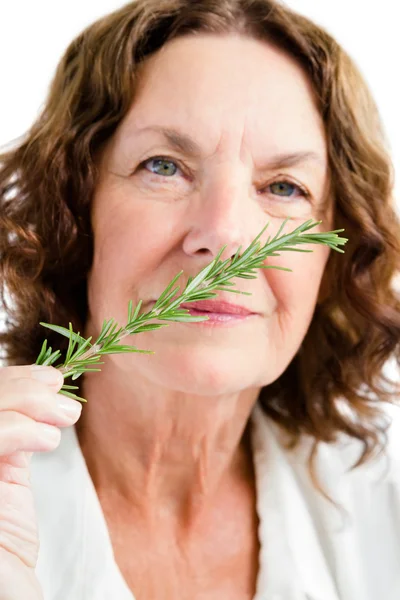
(222, 89)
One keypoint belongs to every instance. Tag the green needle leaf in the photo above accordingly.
(64, 331)
(70, 395)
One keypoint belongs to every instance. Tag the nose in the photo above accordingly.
(224, 215)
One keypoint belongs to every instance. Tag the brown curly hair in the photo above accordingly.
(47, 183)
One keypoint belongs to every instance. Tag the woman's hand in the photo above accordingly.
(31, 413)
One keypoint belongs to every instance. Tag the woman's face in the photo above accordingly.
(222, 137)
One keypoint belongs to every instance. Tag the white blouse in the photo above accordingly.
(310, 549)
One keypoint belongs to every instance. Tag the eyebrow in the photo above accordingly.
(185, 144)
(176, 139)
(293, 159)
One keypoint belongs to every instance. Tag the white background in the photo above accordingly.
(35, 33)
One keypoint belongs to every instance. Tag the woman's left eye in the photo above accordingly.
(161, 166)
(286, 189)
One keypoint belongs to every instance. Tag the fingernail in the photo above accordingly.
(45, 374)
(71, 408)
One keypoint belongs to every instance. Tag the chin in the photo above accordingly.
(210, 373)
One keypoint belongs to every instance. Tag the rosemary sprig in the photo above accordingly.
(83, 357)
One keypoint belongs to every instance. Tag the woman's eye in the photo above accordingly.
(161, 166)
(286, 189)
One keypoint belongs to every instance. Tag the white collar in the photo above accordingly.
(292, 566)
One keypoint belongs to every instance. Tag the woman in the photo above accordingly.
(219, 467)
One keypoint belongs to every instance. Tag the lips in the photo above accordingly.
(217, 306)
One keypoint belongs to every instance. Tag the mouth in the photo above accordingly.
(218, 312)
(217, 307)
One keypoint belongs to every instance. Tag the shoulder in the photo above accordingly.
(335, 460)
(344, 523)
(335, 487)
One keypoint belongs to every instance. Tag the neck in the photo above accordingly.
(166, 452)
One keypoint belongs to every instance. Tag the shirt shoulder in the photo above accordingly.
(342, 521)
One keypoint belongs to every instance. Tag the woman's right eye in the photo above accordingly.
(160, 166)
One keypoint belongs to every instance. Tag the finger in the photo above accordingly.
(48, 375)
(20, 433)
(37, 401)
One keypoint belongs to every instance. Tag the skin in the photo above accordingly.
(169, 430)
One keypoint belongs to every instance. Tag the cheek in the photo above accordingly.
(125, 223)
(296, 292)
(131, 243)
(126, 242)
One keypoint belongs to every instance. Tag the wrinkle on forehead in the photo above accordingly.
(228, 111)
